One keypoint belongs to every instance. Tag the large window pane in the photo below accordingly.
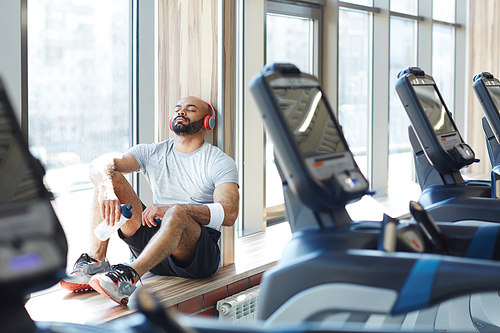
(402, 55)
(443, 10)
(289, 39)
(354, 81)
(405, 6)
(79, 99)
(443, 61)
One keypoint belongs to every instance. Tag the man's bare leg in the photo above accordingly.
(85, 267)
(178, 236)
(126, 195)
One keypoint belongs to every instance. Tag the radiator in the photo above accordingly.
(239, 308)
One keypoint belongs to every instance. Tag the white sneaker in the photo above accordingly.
(117, 284)
(84, 268)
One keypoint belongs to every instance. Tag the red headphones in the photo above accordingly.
(208, 121)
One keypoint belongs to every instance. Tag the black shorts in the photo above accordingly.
(205, 262)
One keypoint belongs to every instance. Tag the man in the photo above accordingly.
(195, 191)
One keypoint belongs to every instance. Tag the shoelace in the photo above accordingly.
(121, 272)
(83, 260)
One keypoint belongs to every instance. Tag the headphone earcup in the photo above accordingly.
(170, 124)
(209, 122)
(206, 123)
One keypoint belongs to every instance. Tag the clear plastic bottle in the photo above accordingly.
(103, 231)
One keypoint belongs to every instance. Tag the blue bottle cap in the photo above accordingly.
(127, 211)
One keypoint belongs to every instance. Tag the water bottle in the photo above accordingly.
(103, 231)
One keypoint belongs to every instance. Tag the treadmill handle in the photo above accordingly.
(429, 226)
(495, 182)
(388, 235)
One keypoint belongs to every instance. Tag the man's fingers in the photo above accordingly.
(118, 212)
(111, 211)
(103, 211)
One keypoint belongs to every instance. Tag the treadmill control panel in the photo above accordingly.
(351, 181)
(465, 151)
(487, 90)
(310, 147)
(432, 122)
(449, 140)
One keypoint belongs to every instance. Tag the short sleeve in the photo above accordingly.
(225, 170)
(142, 154)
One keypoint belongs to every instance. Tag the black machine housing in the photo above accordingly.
(436, 132)
(333, 178)
(440, 153)
(487, 90)
(33, 246)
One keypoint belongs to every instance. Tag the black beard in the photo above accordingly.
(189, 129)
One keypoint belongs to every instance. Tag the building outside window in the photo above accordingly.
(79, 104)
(292, 36)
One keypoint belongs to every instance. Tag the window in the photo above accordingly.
(253, 155)
(443, 49)
(403, 53)
(367, 43)
(292, 35)
(80, 101)
(355, 68)
(407, 33)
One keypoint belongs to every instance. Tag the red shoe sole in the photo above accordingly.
(97, 287)
(75, 287)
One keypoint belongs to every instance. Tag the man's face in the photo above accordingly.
(188, 116)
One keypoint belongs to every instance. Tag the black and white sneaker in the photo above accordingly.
(84, 268)
(117, 284)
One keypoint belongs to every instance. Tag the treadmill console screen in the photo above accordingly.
(434, 109)
(316, 135)
(494, 91)
(310, 148)
(431, 122)
(437, 115)
(487, 90)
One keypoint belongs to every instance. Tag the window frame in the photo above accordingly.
(378, 120)
(142, 86)
(276, 214)
(250, 58)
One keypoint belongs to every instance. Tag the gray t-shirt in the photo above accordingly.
(179, 178)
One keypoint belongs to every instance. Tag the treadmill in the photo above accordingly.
(396, 275)
(487, 90)
(440, 153)
(33, 247)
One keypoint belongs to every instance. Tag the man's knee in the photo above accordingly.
(175, 216)
(178, 218)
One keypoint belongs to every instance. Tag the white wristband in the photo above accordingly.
(216, 215)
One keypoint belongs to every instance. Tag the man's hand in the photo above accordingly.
(153, 211)
(110, 207)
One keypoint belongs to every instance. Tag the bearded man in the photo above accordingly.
(195, 192)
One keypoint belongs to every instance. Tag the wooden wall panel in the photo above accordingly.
(187, 57)
(188, 60)
(229, 50)
(484, 48)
